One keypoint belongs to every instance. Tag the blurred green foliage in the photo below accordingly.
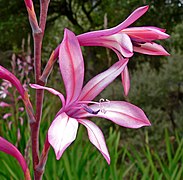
(82, 161)
(177, 37)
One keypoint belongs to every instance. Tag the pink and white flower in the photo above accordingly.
(76, 107)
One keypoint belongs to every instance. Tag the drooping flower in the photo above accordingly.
(124, 41)
(76, 107)
(10, 149)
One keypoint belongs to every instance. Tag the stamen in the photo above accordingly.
(89, 110)
(103, 104)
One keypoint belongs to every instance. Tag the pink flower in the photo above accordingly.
(10, 149)
(125, 41)
(4, 88)
(4, 104)
(5, 116)
(76, 107)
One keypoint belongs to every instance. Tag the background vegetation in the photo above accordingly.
(156, 86)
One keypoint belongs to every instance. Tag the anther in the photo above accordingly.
(89, 110)
(103, 104)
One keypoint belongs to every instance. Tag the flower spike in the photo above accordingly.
(5, 74)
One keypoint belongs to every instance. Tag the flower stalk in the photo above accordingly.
(38, 38)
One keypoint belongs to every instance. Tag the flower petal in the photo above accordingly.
(99, 82)
(151, 49)
(120, 112)
(5, 74)
(131, 19)
(96, 137)
(125, 80)
(145, 34)
(120, 41)
(62, 133)
(51, 90)
(10, 149)
(71, 66)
